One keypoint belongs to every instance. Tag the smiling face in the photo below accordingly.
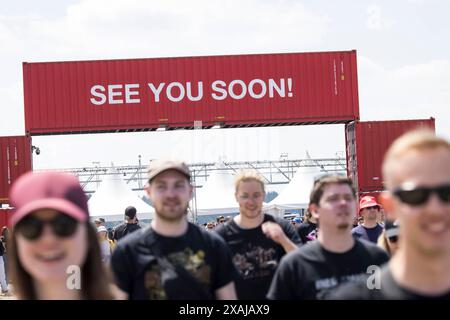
(250, 196)
(170, 192)
(424, 227)
(48, 257)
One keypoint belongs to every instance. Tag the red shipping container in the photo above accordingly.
(367, 142)
(15, 159)
(233, 91)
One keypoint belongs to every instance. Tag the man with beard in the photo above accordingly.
(416, 171)
(312, 271)
(173, 258)
(369, 230)
(258, 241)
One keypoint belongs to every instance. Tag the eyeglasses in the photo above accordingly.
(393, 239)
(62, 225)
(419, 195)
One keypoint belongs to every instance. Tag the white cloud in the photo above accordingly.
(107, 29)
(103, 29)
(376, 20)
(407, 92)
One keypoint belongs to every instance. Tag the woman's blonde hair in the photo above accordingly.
(382, 242)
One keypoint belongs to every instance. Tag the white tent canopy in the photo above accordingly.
(296, 194)
(113, 196)
(217, 195)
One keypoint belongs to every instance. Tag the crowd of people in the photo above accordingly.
(54, 251)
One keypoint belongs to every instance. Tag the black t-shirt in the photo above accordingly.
(312, 272)
(389, 289)
(368, 234)
(255, 255)
(140, 261)
(307, 231)
(125, 228)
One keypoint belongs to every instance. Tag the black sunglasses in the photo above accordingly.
(393, 239)
(373, 207)
(62, 225)
(419, 195)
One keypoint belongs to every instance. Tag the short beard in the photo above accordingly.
(172, 218)
(343, 226)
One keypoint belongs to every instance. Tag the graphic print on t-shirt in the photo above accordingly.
(256, 261)
(312, 235)
(194, 263)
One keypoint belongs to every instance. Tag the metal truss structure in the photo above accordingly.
(275, 172)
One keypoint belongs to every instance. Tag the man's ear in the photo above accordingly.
(387, 201)
(147, 190)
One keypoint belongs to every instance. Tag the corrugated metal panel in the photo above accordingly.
(350, 150)
(5, 217)
(15, 159)
(62, 97)
(372, 139)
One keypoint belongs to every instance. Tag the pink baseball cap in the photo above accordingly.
(48, 190)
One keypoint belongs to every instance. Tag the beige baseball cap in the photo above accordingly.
(159, 166)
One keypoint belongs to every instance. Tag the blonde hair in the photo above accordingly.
(249, 175)
(415, 140)
(382, 242)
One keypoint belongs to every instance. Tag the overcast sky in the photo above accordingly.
(403, 65)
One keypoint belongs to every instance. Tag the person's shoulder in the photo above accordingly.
(279, 220)
(212, 238)
(136, 226)
(205, 233)
(311, 250)
(308, 252)
(119, 227)
(367, 245)
(133, 238)
(194, 229)
(221, 229)
(377, 286)
(352, 291)
(304, 225)
(375, 251)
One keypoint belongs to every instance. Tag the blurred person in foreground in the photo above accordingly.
(336, 257)
(416, 171)
(54, 251)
